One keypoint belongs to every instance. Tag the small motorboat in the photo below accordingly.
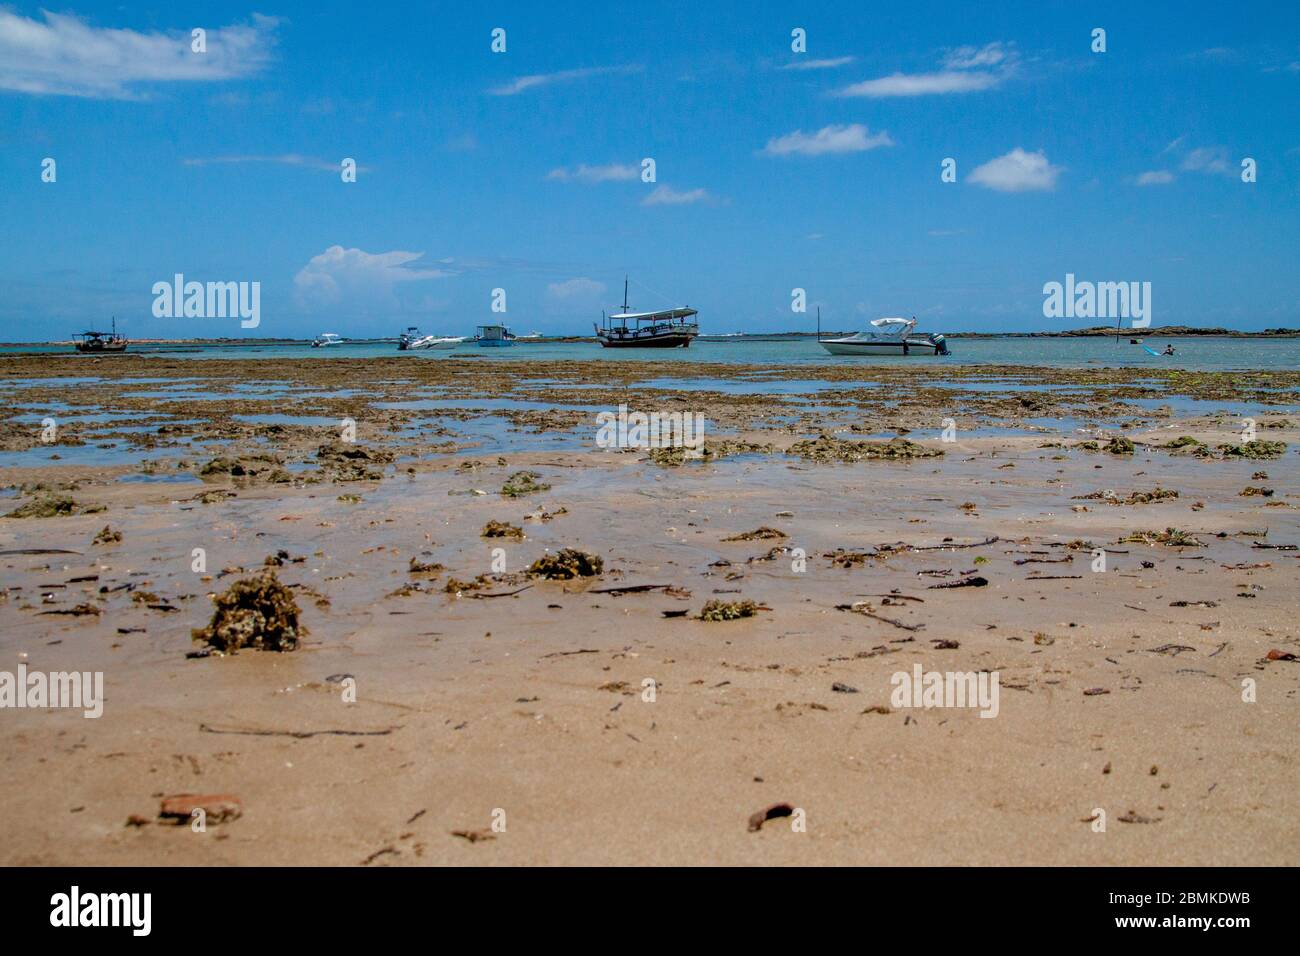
(440, 342)
(889, 336)
(494, 336)
(325, 339)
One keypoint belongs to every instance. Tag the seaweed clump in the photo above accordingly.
(758, 534)
(502, 529)
(107, 536)
(1185, 441)
(348, 461)
(1251, 491)
(717, 610)
(1135, 497)
(566, 564)
(523, 483)
(1119, 445)
(265, 467)
(827, 448)
(51, 505)
(257, 612)
(1172, 537)
(416, 566)
(677, 455)
(1257, 449)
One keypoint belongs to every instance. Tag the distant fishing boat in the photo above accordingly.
(494, 336)
(531, 335)
(325, 339)
(889, 336)
(666, 329)
(99, 343)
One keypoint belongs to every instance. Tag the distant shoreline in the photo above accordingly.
(1168, 331)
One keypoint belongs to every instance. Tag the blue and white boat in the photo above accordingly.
(494, 336)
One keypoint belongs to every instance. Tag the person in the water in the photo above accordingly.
(1169, 350)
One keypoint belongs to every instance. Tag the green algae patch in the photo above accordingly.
(502, 529)
(1258, 449)
(1119, 445)
(717, 610)
(523, 483)
(53, 506)
(827, 448)
(566, 564)
(257, 612)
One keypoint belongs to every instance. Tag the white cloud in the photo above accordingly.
(959, 75)
(1208, 159)
(968, 57)
(544, 79)
(854, 138)
(1017, 171)
(284, 159)
(1155, 177)
(66, 56)
(667, 196)
(580, 289)
(613, 172)
(830, 64)
(339, 274)
(923, 84)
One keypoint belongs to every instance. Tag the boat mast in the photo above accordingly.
(819, 323)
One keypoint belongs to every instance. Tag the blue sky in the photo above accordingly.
(522, 170)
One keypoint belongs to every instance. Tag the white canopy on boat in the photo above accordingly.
(884, 330)
(665, 314)
(894, 325)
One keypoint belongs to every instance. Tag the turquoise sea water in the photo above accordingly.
(1193, 353)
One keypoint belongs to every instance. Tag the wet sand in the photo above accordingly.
(1120, 690)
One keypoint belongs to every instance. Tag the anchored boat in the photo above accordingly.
(100, 343)
(889, 336)
(412, 340)
(326, 339)
(667, 329)
(494, 336)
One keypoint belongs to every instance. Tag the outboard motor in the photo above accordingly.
(940, 344)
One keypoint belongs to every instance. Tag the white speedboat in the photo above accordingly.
(890, 336)
(413, 338)
(324, 339)
(440, 342)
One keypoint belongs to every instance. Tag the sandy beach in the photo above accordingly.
(515, 719)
